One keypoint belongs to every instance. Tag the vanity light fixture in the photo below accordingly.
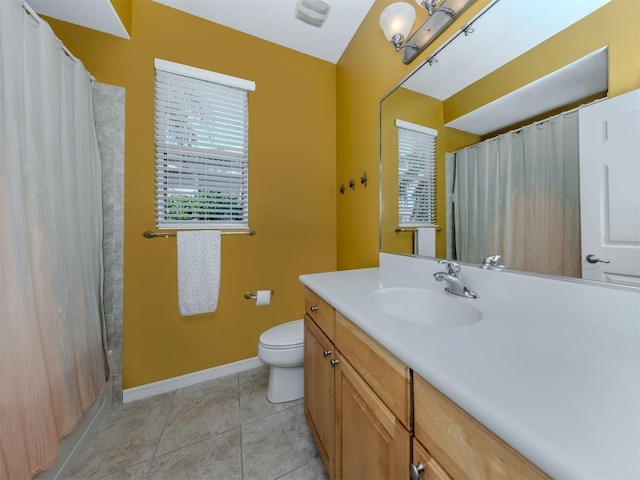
(397, 19)
(431, 6)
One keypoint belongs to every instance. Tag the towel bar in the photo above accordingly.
(152, 234)
(411, 229)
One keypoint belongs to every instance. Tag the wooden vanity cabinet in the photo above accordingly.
(371, 442)
(372, 417)
(350, 399)
(463, 447)
(387, 376)
(426, 467)
(319, 381)
(320, 312)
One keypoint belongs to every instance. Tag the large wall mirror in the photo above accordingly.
(516, 98)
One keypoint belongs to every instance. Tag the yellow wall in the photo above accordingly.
(292, 120)
(370, 68)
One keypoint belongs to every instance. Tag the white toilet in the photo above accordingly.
(282, 348)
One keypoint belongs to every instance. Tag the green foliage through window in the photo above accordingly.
(204, 206)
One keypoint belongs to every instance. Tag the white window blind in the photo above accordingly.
(201, 138)
(416, 174)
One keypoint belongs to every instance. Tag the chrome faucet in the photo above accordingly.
(455, 284)
(491, 263)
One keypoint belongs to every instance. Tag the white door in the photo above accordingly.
(610, 189)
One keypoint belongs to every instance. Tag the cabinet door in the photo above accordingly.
(425, 466)
(370, 442)
(319, 390)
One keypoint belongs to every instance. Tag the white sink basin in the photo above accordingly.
(425, 307)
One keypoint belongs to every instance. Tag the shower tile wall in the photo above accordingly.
(108, 104)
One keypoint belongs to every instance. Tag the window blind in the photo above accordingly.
(201, 140)
(416, 174)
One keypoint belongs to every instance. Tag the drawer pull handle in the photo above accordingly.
(326, 353)
(416, 470)
(313, 308)
(334, 362)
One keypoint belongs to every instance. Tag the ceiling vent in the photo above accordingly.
(313, 12)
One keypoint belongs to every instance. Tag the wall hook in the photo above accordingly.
(352, 184)
(363, 179)
(342, 189)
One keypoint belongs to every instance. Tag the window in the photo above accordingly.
(416, 174)
(201, 137)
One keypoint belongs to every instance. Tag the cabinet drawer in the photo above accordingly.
(320, 311)
(385, 374)
(432, 469)
(462, 445)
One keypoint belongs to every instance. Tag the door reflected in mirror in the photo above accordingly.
(509, 131)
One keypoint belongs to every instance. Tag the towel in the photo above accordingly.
(424, 242)
(198, 271)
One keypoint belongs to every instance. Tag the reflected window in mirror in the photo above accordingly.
(416, 175)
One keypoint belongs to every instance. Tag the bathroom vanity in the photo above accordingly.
(536, 387)
(357, 397)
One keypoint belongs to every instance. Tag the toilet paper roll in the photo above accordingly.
(263, 298)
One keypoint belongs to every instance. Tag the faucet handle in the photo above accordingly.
(491, 259)
(452, 267)
(491, 263)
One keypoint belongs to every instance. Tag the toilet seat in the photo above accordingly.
(284, 336)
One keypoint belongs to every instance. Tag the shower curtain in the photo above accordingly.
(518, 195)
(52, 359)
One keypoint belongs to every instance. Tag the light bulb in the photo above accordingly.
(396, 21)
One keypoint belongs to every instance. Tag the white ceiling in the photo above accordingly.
(94, 14)
(578, 80)
(500, 35)
(525, 24)
(271, 20)
(274, 20)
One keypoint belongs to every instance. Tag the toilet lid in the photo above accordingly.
(290, 334)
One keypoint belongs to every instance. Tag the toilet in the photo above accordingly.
(282, 348)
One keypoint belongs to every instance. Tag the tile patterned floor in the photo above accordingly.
(223, 429)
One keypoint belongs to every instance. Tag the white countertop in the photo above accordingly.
(552, 368)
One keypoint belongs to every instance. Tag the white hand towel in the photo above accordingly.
(424, 242)
(198, 271)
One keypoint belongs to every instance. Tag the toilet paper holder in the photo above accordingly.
(253, 296)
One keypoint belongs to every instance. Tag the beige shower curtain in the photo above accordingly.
(52, 362)
(518, 195)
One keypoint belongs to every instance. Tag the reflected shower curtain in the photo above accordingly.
(52, 362)
(518, 195)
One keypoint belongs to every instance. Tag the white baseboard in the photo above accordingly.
(162, 386)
